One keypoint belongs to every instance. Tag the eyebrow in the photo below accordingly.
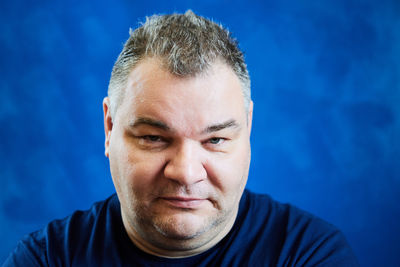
(221, 126)
(151, 122)
(161, 125)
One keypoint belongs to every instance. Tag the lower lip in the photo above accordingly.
(185, 204)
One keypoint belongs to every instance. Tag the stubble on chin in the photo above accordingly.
(177, 231)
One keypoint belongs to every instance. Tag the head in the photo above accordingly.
(186, 43)
(177, 123)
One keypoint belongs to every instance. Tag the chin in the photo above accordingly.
(182, 226)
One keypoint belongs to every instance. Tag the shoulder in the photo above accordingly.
(287, 215)
(60, 238)
(292, 234)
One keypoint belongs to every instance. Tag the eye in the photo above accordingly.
(151, 141)
(216, 140)
(151, 138)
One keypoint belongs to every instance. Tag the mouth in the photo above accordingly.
(184, 202)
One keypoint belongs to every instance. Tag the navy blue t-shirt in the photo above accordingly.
(265, 233)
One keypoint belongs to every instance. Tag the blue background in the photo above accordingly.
(325, 81)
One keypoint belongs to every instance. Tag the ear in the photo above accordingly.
(250, 117)
(108, 124)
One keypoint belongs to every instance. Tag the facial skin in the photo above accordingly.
(179, 154)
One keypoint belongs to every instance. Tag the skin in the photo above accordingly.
(179, 152)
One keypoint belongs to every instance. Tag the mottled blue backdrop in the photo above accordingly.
(326, 87)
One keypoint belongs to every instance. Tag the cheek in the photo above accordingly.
(133, 171)
(229, 172)
(141, 170)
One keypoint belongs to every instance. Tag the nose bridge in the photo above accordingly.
(185, 164)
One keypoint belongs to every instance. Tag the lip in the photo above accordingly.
(184, 202)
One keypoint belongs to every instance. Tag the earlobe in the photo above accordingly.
(250, 117)
(108, 124)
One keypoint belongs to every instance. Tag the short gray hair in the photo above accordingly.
(186, 43)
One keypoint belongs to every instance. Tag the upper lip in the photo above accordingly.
(180, 198)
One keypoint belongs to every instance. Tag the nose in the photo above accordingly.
(185, 165)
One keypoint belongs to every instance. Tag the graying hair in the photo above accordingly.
(186, 43)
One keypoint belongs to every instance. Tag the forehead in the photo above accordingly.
(180, 102)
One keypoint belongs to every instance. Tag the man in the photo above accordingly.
(177, 122)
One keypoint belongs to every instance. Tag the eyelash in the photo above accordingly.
(152, 141)
(150, 138)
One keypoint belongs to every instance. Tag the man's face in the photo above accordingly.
(179, 153)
